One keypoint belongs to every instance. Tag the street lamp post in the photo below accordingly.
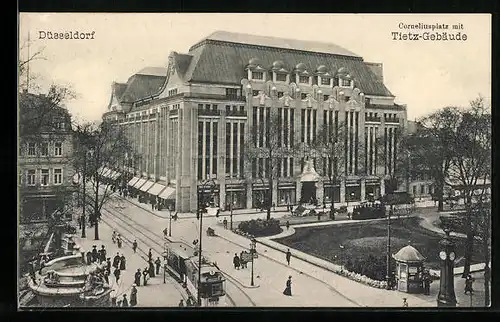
(252, 251)
(446, 296)
(170, 222)
(231, 211)
(388, 259)
(96, 202)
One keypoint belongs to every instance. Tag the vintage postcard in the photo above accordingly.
(254, 160)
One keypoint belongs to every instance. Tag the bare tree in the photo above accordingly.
(471, 161)
(27, 79)
(99, 146)
(264, 150)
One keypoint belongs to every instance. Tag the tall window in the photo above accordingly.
(58, 149)
(258, 75)
(57, 176)
(242, 147)
(231, 92)
(325, 81)
(44, 149)
(281, 77)
(44, 178)
(228, 147)
(214, 140)
(304, 79)
(31, 177)
(200, 150)
(31, 149)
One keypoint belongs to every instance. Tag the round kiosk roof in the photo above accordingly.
(408, 254)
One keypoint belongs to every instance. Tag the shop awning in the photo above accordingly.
(139, 183)
(133, 181)
(156, 189)
(168, 193)
(146, 186)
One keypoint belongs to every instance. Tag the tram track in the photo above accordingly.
(118, 220)
(330, 287)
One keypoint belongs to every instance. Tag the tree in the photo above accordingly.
(330, 144)
(471, 161)
(432, 150)
(27, 80)
(99, 146)
(264, 149)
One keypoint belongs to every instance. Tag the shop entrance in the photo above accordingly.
(308, 178)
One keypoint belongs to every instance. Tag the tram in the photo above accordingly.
(181, 260)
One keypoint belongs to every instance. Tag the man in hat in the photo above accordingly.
(145, 276)
(102, 254)
(137, 277)
(134, 246)
(151, 269)
(122, 263)
(116, 260)
(95, 254)
(150, 255)
(288, 256)
(108, 264)
(89, 258)
(158, 265)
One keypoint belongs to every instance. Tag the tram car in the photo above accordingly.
(181, 261)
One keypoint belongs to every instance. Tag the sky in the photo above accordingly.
(425, 75)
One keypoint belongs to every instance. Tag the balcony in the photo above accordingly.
(208, 112)
(392, 120)
(373, 119)
(237, 113)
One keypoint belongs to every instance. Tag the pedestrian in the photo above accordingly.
(113, 298)
(150, 255)
(133, 295)
(224, 222)
(158, 265)
(236, 261)
(137, 277)
(427, 282)
(405, 304)
(95, 254)
(80, 222)
(288, 289)
(243, 262)
(287, 225)
(153, 204)
(125, 301)
(122, 263)
(468, 284)
(117, 274)
(106, 276)
(108, 264)
(89, 258)
(113, 237)
(134, 245)
(145, 277)
(151, 269)
(189, 302)
(288, 256)
(119, 241)
(116, 260)
(181, 303)
(102, 254)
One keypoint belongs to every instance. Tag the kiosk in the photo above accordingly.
(409, 270)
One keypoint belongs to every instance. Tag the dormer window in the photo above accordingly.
(345, 82)
(280, 77)
(325, 81)
(258, 75)
(304, 79)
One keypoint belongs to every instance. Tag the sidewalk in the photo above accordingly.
(155, 294)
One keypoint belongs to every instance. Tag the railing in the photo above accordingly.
(208, 112)
(236, 113)
(373, 119)
(392, 120)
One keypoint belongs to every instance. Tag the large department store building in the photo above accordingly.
(189, 122)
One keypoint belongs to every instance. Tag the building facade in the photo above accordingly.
(44, 162)
(195, 126)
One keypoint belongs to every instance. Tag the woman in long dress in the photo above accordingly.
(133, 296)
(288, 289)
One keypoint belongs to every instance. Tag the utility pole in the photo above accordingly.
(84, 194)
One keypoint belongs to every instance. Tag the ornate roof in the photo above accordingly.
(141, 86)
(408, 254)
(222, 58)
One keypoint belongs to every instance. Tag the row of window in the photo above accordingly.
(172, 92)
(214, 107)
(44, 149)
(301, 79)
(44, 177)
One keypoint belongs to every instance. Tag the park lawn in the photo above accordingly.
(370, 238)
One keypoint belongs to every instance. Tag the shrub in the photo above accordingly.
(373, 267)
(260, 228)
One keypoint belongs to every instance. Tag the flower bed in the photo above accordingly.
(259, 228)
